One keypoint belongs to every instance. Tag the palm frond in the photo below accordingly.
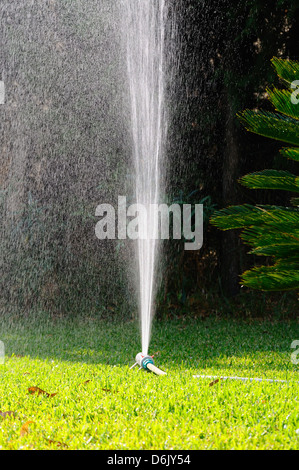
(278, 251)
(271, 179)
(282, 100)
(272, 278)
(271, 231)
(292, 153)
(237, 217)
(287, 70)
(270, 240)
(272, 125)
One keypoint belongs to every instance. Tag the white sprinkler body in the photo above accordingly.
(144, 361)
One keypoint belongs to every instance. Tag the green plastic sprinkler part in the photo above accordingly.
(147, 362)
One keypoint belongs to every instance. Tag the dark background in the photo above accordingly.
(62, 154)
(228, 49)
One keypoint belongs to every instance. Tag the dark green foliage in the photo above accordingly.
(271, 179)
(271, 230)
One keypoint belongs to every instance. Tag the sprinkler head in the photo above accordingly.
(143, 361)
(147, 362)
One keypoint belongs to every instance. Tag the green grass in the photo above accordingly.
(125, 409)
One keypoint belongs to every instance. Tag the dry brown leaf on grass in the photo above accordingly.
(7, 413)
(39, 391)
(214, 382)
(57, 443)
(108, 390)
(25, 428)
(84, 383)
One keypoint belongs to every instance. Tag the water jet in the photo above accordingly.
(144, 35)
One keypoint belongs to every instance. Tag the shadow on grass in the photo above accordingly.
(199, 345)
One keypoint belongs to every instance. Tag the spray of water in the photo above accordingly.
(144, 28)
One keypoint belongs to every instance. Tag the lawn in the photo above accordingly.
(94, 401)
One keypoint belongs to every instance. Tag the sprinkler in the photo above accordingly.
(147, 362)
